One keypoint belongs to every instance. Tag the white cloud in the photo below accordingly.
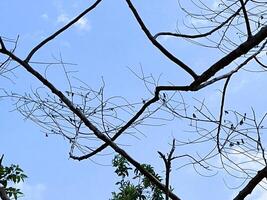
(44, 16)
(63, 18)
(242, 83)
(82, 24)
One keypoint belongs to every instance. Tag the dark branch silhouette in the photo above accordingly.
(92, 123)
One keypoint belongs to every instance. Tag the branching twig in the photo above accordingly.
(91, 126)
(167, 161)
(158, 45)
(242, 49)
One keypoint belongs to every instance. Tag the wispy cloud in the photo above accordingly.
(82, 24)
(62, 18)
(65, 15)
(44, 16)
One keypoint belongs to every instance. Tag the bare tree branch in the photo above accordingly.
(252, 184)
(158, 45)
(167, 161)
(221, 112)
(246, 18)
(240, 37)
(239, 51)
(134, 118)
(92, 127)
(202, 34)
(64, 28)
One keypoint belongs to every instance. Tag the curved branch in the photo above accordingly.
(158, 45)
(87, 123)
(127, 125)
(221, 113)
(260, 63)
(198, 35)
(133, 119)
(246, 18)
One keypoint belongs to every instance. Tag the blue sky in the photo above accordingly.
(106, 43)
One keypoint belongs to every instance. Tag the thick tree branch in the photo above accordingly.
(229, 58)
(252, 184)
(133, 119)
(199, 82)
(87, 123)
(224, 76)
(2, 45)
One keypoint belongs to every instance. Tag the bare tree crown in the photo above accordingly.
(91, 122)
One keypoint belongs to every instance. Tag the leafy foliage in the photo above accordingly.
(12, 174)
(133, 185)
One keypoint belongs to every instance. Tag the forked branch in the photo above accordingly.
(158, 45)
(87, 123)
